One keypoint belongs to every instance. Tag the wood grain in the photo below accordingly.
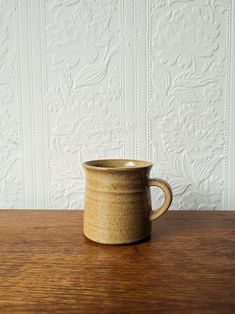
(48, 266)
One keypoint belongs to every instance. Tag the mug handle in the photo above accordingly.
(156, 213)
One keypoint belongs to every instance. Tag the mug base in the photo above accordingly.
(137, 241)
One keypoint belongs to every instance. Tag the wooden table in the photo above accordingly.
(48, 266)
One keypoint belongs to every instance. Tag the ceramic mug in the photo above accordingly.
(117, 200)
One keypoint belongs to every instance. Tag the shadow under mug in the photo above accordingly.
(117, 200)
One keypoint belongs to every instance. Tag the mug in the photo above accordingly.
(117, 200)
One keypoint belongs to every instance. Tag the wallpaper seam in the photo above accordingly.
(149, 80)
(227, 110)
(123, 79)
(145, 84)
(45, 116)
(147, 76)
(141, 42)
(46, 122)
(231, 117)
(135, 99)
(23, 33)
(32, 101)
(129, 81)
(40, 156)
(20, 113)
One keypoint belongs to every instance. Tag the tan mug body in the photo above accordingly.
(117, 200)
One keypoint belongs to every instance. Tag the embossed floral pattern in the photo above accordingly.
(74, 140)
(212, 93)
(219, 5)
(10, 187)
(185, 34)
(67, 194)
(199, 134)
(158, 4)
(77, 35)
(90, 135)
(9, 135)
(9, 190)
(7, 95)
(217, 66)
(189, 64)
(82, 42)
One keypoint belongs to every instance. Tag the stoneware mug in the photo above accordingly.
(117, 200)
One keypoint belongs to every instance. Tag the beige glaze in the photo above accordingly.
(117, 200)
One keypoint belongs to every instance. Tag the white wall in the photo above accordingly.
(94, 79)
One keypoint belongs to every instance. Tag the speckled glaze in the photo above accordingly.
(117, 200)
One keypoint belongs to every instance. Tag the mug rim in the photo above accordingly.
(99, 164)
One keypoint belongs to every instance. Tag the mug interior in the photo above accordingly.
(120, 164)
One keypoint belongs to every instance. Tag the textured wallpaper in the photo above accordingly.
(140, 79)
